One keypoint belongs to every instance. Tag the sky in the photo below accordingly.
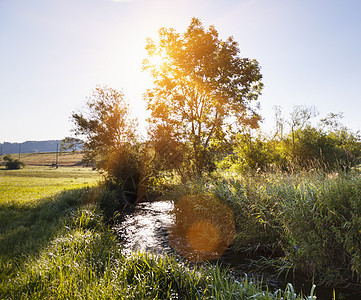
(53, 53)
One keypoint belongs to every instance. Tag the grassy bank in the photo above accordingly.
(54, 244)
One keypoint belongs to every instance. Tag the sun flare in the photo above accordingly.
(156, 61)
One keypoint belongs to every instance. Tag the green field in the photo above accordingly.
(54, 244)
(33, 202)
(36, 183)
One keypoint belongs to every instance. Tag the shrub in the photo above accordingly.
(13, 164)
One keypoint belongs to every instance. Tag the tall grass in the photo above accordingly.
(58, 247)
(308, 222)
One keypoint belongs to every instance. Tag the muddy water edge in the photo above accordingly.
(145, 228)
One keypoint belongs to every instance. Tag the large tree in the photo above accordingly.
(203, 90)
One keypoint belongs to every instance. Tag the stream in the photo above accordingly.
(146, 228)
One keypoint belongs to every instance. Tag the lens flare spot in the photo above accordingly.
(203, 227)
(203, 236)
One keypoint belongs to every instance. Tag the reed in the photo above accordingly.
(309, 221)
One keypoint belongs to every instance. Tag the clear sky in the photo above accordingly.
(54, 52)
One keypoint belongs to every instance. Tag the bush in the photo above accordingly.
(313, 147)
(13, 164)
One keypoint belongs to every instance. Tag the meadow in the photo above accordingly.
(54, 243)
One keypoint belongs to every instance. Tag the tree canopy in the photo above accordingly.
(104, 124)
(203, 90)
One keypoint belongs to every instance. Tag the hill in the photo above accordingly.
(29, 147)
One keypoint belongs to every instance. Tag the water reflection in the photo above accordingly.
(145, 228)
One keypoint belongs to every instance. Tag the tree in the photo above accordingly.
(71, 143)
(108, 131)
(300, 117)
(203, 90)
(251, 153)
(329, 146)
(332, 122)
(280, 122)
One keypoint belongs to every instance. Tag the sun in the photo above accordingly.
(154, 61)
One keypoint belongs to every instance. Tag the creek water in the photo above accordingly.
(146, 228)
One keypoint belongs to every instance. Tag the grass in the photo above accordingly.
(33, 202)
(33, 183)
(55, 245)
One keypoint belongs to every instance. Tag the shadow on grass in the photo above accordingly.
(26, 230)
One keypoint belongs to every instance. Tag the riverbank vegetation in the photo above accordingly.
(55, 244)
(305, 223)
